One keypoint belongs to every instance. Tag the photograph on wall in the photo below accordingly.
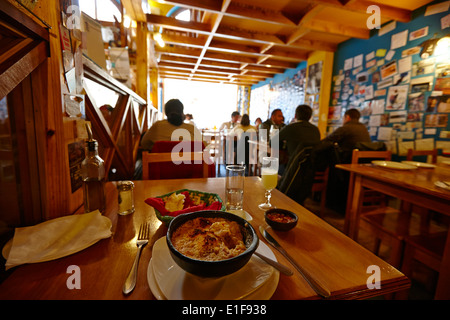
(314, 78)
(396, 98)
(444, 104)
(417, 101)
(334, 113)
(389, 69)
(422, 84)
(397, 116)
(438, 103)
(414, 116)
(384, 83)
(436, 120)
(76, 156)
(442, 70)
(442, 84)
(423, 67)
(418, 33)
(376, 76)
(299, 78)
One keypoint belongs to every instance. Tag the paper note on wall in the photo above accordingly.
(425, 144)
(437, 8)
(381, 52)
(403, 147)
(405, 64)
(348, 64)
(391, 146)
(399, 39)
(390, 54)
(384, 133)
(444, 145)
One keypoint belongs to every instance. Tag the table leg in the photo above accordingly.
(353, 217)
(348, 208)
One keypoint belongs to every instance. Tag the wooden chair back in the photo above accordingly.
(186, 157)
(358, 155)
(415, 153)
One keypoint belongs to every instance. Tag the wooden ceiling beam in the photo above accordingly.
(386, 11)
(338, 29)
(238, 10)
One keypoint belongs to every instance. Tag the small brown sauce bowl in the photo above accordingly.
(280, 219)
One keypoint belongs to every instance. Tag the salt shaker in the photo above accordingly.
(126, 197)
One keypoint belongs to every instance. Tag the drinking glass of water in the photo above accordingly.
(234, 187)
(269, 178)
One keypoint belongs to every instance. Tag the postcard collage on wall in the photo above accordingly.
(402, 92)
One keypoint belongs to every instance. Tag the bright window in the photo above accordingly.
(184, 15)
(211, 104)
(103, 10)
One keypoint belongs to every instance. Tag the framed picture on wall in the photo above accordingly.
(396, 98)
(389, 69)
(314, 78)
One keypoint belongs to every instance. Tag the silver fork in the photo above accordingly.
(130, 282)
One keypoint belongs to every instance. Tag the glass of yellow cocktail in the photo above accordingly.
(269, 178)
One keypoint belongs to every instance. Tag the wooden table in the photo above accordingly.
(326, 253)
(413, 186)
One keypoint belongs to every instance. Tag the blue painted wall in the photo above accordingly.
(355, 47)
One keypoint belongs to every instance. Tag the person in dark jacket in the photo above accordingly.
(351, 132)
(301, 132)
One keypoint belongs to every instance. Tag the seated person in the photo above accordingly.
(300, 132)
(347, 137)
(239, 133)
(244, 126)
(275, 122)
(235, 116)
(162, 130)
(349, 134)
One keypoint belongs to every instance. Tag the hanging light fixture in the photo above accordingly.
(428, 47)
(443, 46)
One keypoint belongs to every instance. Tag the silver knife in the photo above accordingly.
(282, 268)
(319, 288)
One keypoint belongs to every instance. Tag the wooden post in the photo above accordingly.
(142, 75)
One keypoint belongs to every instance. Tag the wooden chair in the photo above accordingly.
(389, 225)
(320, 184)
(411, 156)
(427, 249)
(370, 196)
(376, 217)
(415, 153)
(185, 157)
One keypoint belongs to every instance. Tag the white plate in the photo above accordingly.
(393, 165)
(154, 288)
(442, 185)
(242, 213)
(262, 293)
(256, 279)
(420, 164)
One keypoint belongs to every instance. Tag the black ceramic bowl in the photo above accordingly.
(220, 268)
(286, 220)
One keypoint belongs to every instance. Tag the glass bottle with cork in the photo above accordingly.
(93, 173)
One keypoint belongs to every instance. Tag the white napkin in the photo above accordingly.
(56, 238)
